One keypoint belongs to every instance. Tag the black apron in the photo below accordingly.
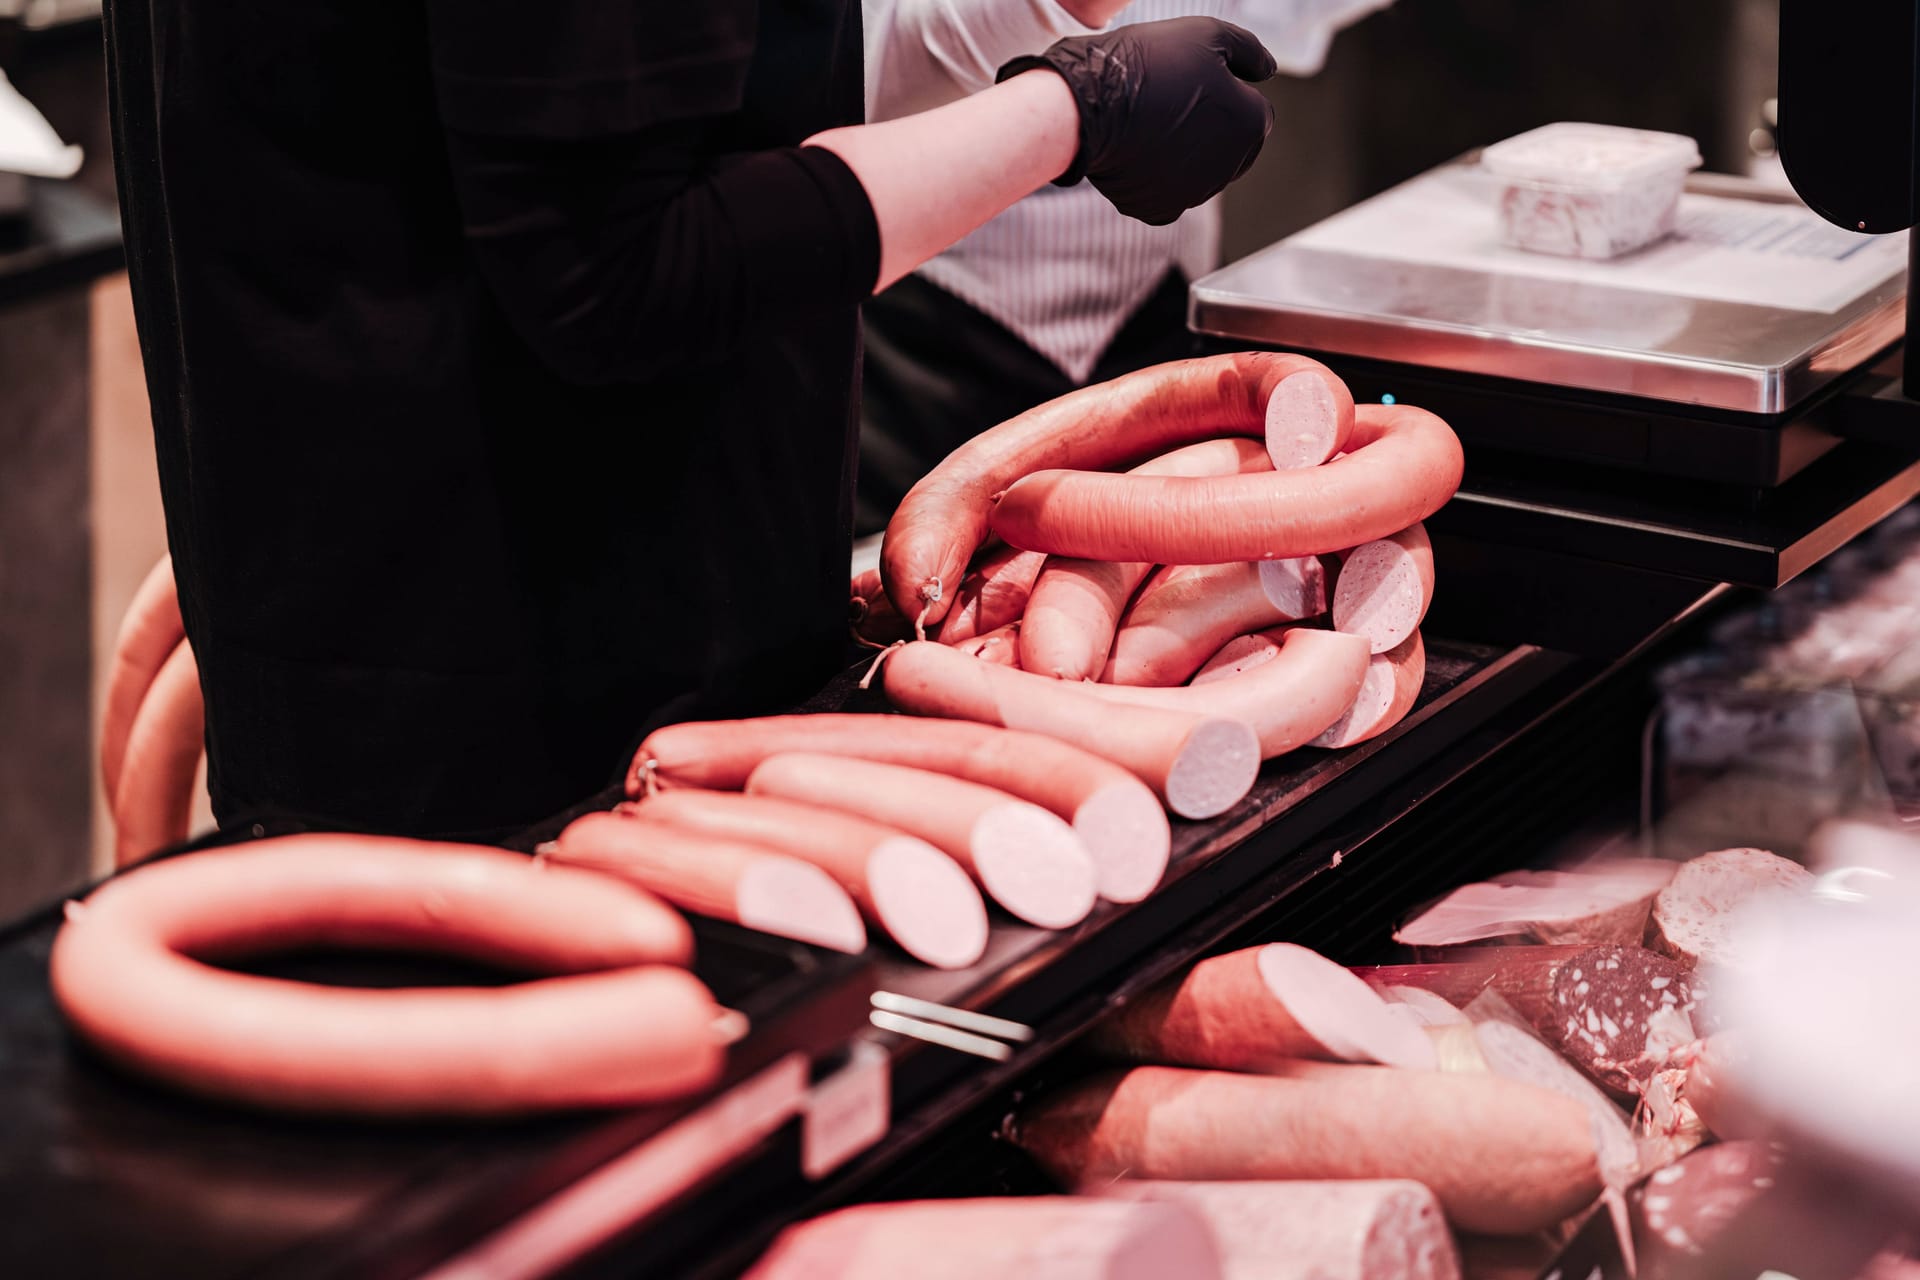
(434, 588)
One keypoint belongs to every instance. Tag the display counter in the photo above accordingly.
(107, 1175)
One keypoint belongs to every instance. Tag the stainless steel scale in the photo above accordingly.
(1729, 334)
(1688, 410)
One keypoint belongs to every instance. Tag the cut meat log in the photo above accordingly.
(919, 895)
(1391, 1230)
(1620, 1013)
(1252, 1009)
(1694, 916)
(1680, 1209)
(1501, 1156)
(1016, 1238)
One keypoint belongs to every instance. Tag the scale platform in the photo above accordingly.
(1715, 354)
(1691, 410)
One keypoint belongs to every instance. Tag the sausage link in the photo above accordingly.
(153, 804)
(943, 519)
(1185, 614)
(1027, 859)
(132, 971)
(1200, 765)
(1117, 816)
(748, 884)
(1076, 605)
(1290, 700)
(150, 632)
(915, 892)
(1402, 465)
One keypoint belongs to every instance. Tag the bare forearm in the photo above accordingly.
(935, 176)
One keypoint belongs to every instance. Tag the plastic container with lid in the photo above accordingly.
(1589, 190)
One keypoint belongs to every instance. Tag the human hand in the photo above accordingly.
(1168, 112)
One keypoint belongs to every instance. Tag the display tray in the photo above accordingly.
(1541, 775)
(107, 1176)
(1284, 842)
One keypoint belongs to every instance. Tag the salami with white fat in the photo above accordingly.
(1680, 1209)
(1620, 1013)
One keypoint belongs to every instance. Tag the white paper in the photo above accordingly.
(1783, 256)
(28, 143)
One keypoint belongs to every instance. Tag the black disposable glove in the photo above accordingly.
(1167, 114)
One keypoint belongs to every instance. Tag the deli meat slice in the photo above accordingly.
(1680, 1209)
(1693, 918)
(1620, 1013)
(1386, 1230)
(1603, 901)
(1015, 1238)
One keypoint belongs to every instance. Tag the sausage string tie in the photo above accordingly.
(866, 681)
(929, 596)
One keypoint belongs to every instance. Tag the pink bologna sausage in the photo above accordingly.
(1383, 1230)
(1075, 606)
(150, 632)
(1387, 693)
(1385, 588)
(1186, 612)
(916, 893)
(992, 594)
(1026, 858)
(1248, 1010)
(1201, 765)
(1000, 646)
(1289, 700)
(134, 972)
(1503, 1157)
(1116, 815)
(1303, 410)
(1239, 656)
(1012, 1238)
(748, 884)
(153, 805)
(1401, 466)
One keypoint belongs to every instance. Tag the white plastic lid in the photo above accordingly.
(1590, 156)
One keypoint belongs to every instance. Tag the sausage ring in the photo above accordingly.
(132, 970)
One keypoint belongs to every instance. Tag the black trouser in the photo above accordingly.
(939, 373)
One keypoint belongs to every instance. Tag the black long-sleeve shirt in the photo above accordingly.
(502, 362)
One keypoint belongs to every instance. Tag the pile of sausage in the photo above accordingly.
(1252, 584)
(1125, 641)
(1315, 1121)
(1122, 642)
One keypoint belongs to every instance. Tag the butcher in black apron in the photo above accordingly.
(503, 358)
